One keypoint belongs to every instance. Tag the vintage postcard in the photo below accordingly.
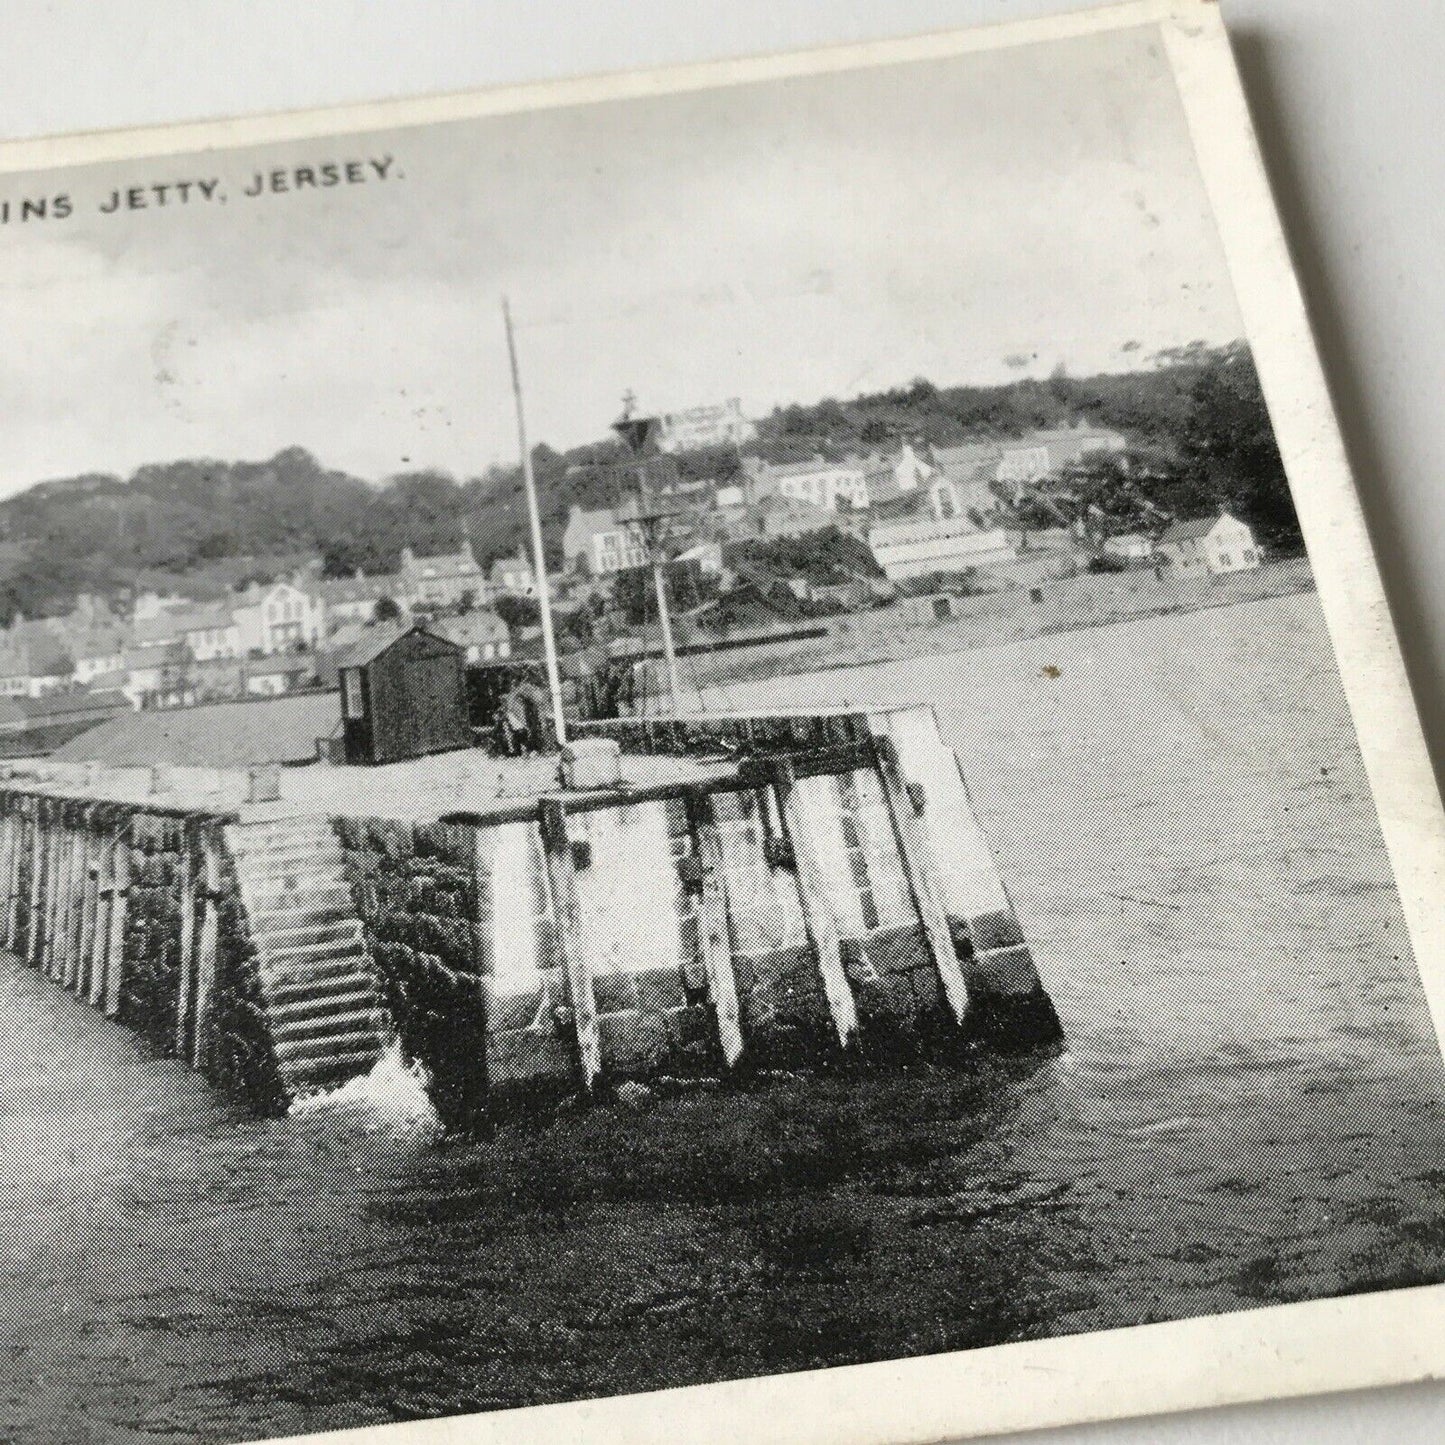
(703, 755)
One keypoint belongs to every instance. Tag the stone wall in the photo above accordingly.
(136, 910)
(417, 889)
(794, 914)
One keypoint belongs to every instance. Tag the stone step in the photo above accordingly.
(289, 929)
(295, 858)
(310, 1075)
(308, 824)
(324, 1004)
(329, 1047)
(288, 993)
(278, 957)
(329, 1025)
(328, 898)
(280, 988)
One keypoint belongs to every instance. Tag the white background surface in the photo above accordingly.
(1350, 110)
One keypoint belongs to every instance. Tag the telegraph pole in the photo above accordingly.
(539, 561)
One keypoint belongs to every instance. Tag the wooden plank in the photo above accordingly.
(186, 889)
(561, 875)
(206, 950)
(921, 871)
(817, 910)
(115, 946)
(712, 928)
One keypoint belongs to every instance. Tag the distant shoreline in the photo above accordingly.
(1081, 604)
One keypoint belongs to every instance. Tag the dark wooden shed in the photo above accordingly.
(403, 695)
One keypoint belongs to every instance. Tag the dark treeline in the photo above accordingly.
(213, 525)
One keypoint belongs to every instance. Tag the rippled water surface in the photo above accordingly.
(1250, 1110)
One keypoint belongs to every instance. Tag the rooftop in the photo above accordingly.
(1192, 530)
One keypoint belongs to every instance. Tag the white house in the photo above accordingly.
(819, 482)
(443, 579)
(892, 476)
(279, 618)
(514, 575)
(1209, 546)
(210, 631)
(598, 542)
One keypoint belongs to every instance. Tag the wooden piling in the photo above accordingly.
(561, 874)
(817, 910)
(33, 922)
(186, 886)
(100, 920)
(58, 852)
(14, 841)
(921, 871)
(206, 948)
(712, 927)
(115, 945)
(71, 906)
(90, 884)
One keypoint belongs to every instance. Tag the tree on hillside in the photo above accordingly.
(517, 611)
(1228, 445)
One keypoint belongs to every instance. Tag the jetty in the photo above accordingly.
(730, 893)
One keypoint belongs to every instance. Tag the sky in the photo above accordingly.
(974, 219)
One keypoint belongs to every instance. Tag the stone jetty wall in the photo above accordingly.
(136, 910)
(829, 900)
(822, 897)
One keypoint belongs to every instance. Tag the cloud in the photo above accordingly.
(775, 242)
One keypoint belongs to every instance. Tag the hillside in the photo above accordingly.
(1197, 413)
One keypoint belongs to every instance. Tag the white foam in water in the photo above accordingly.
(393, 1093)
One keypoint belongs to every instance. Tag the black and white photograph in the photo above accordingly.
(691, 732)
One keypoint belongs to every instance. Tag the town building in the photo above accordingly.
(721, 424)
(513, 575)
(599, 542)
(33, 661)
(1131, 547)
(278, 674)
(926, 532)
(209, 630)
(821, 483)
(896, 475)
(1209, 546)
(1049, 452)
(972, 469)
(354, 598)
(788, 517)
(482, 636)
(160, 674)
(918, 546)
(442, 580)
(280, 618)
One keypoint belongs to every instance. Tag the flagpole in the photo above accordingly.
(539, 561)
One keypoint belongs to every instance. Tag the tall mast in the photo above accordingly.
(539, 561)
